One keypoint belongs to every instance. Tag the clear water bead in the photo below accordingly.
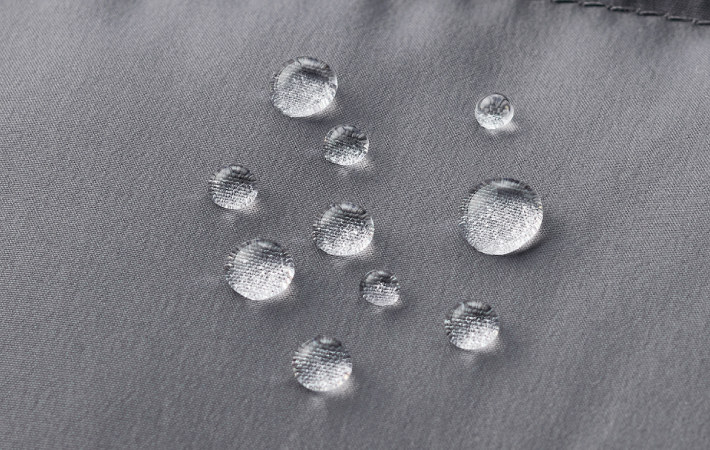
(322, 364)
(303, 86)
(471, 325)
(494, 111)
(380, 288)
(233, 187)
(259, 269)
(345, 145)
(344, 229)
(500, 216)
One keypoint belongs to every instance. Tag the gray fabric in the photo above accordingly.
(119, 331)
(695, 11)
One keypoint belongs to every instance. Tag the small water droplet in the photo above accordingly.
(303, 86)
(233, 187)
(472, 325)
(345, 145)
(494, 111)
(259, 269)
(500, 216)
(380, 288)
(322, 364)
(343, 229)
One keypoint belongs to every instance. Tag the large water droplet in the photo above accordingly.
(500, 216)
(345, 145)
(233, 187)
(380, 288)
(471, 325)
(322, 364)
(344, 229)
(494, 111)
(259, 269)
(303, 86)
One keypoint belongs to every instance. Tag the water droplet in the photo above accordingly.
(233, 187)
(494, 111)
(322, 364)
(471, 325)
(501, 216)
(303, 86)
(344, 229)
(345, 145)
(259, 269)
(380, 288)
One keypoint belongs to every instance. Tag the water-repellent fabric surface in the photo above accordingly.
(119, 330)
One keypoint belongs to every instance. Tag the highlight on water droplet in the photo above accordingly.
(233, 187)
(472, 325)
(380, 287)
(343, 229)
(322, 364)
(500, 216)
(494, 111)
(259, 269)
(345, 145)
(303, 87)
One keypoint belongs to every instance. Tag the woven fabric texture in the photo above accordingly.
(119, 330)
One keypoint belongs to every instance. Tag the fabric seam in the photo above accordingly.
(638, 11)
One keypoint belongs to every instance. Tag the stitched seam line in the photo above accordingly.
(638, 11)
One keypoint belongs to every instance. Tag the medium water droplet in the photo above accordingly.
(500, 216)
(303, 86)
(259, 269)
(471, 325)
(345, 145)
(344, 229)
(494, 111)
(322, 364)
(380, 288)
(233, 187)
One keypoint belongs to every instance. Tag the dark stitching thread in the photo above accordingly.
(626, 9)
(621, 9)
(679, 18)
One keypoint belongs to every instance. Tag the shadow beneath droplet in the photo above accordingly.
(543, 233)
(395, 307)
(286, 299)
(471, 358)
(535, 242)
(253, 209)
(344, 391)
(508, 129)
(365, 165)
(319, 400)
(388, 312)
(347, 261)
(331, 112)
(231, 215)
